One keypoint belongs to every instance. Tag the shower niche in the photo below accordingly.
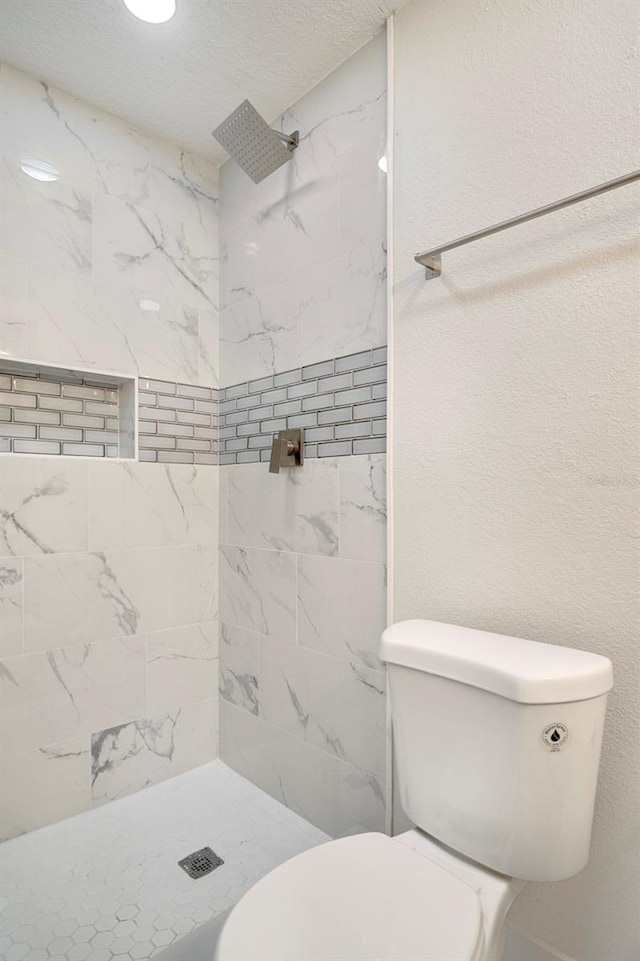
(68, 412)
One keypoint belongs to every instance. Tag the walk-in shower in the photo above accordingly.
(253, 144)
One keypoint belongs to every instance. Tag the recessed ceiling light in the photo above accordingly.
(152, 11)
(39, 170)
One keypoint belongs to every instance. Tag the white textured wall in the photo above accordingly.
(516, 372)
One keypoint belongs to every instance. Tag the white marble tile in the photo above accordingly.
(208, 348)
(132, 756)
(183, 186)
(182, 666)
(336, 706)
(293, 511)
(85, 143)
(258, 332)
(13, 307)
(48, 223)
(134, 248)
(257, 591)
(361, 797)
(55, 695)
(43, 505)
(363, 189)
(85, 597)
(223, 503)
(239, 667)
(363, 507)
(325, 790)
(207, 591)
(300, 228)
(343, 305)
(11, 584)
(341, 607)
(149, 505)
(44, 786)
(73, 321)
(115, 869)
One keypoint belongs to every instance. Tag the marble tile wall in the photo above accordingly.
(302, 606)
(302, 555)
(303, 268)
(108, 631)
(113, 266)
(108, 569)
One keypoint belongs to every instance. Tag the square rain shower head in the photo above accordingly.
(252, 143)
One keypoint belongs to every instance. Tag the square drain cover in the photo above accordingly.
(200, 863)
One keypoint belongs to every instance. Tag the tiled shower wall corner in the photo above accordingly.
(43, 415)
(108, 569)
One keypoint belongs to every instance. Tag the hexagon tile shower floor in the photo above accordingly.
(106, 885)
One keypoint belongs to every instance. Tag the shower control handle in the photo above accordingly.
(287, 450)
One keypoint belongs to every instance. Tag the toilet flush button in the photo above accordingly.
(555, 736)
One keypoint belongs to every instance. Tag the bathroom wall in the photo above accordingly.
(108, 569)
(515, 376)
(302, 573)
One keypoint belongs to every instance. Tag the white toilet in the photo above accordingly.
(497, 743)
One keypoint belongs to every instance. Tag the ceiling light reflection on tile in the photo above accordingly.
(146, 304)
(40, 170)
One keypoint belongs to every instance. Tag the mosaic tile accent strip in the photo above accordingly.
(43, 414)
(177, 423)
(341, 404)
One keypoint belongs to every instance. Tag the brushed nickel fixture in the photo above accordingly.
(287, 450)
(253, 144)
(431, 259)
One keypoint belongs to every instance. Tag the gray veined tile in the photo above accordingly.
(239, 666)
(322, 788)
(258, 590)
(50, 696)
(131, 756)
(137, 505)
(339, 707)
(56, 778)
(294, 510)
(207, 600)
(43, 506)
(182, 666)
(84, 597)
(363, 507)
(11, 583)
(350, 626)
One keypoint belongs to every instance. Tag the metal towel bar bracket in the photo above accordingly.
(431, 259)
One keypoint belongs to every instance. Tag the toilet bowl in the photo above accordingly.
(371, 897)
(497, 744)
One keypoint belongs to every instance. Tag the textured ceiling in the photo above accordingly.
(182, 78)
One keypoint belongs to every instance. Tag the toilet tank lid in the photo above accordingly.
(529, 672)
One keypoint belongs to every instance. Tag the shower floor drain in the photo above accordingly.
(200, 863)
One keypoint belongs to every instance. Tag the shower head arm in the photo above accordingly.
(291, 139)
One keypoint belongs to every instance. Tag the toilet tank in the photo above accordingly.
(497, 744)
